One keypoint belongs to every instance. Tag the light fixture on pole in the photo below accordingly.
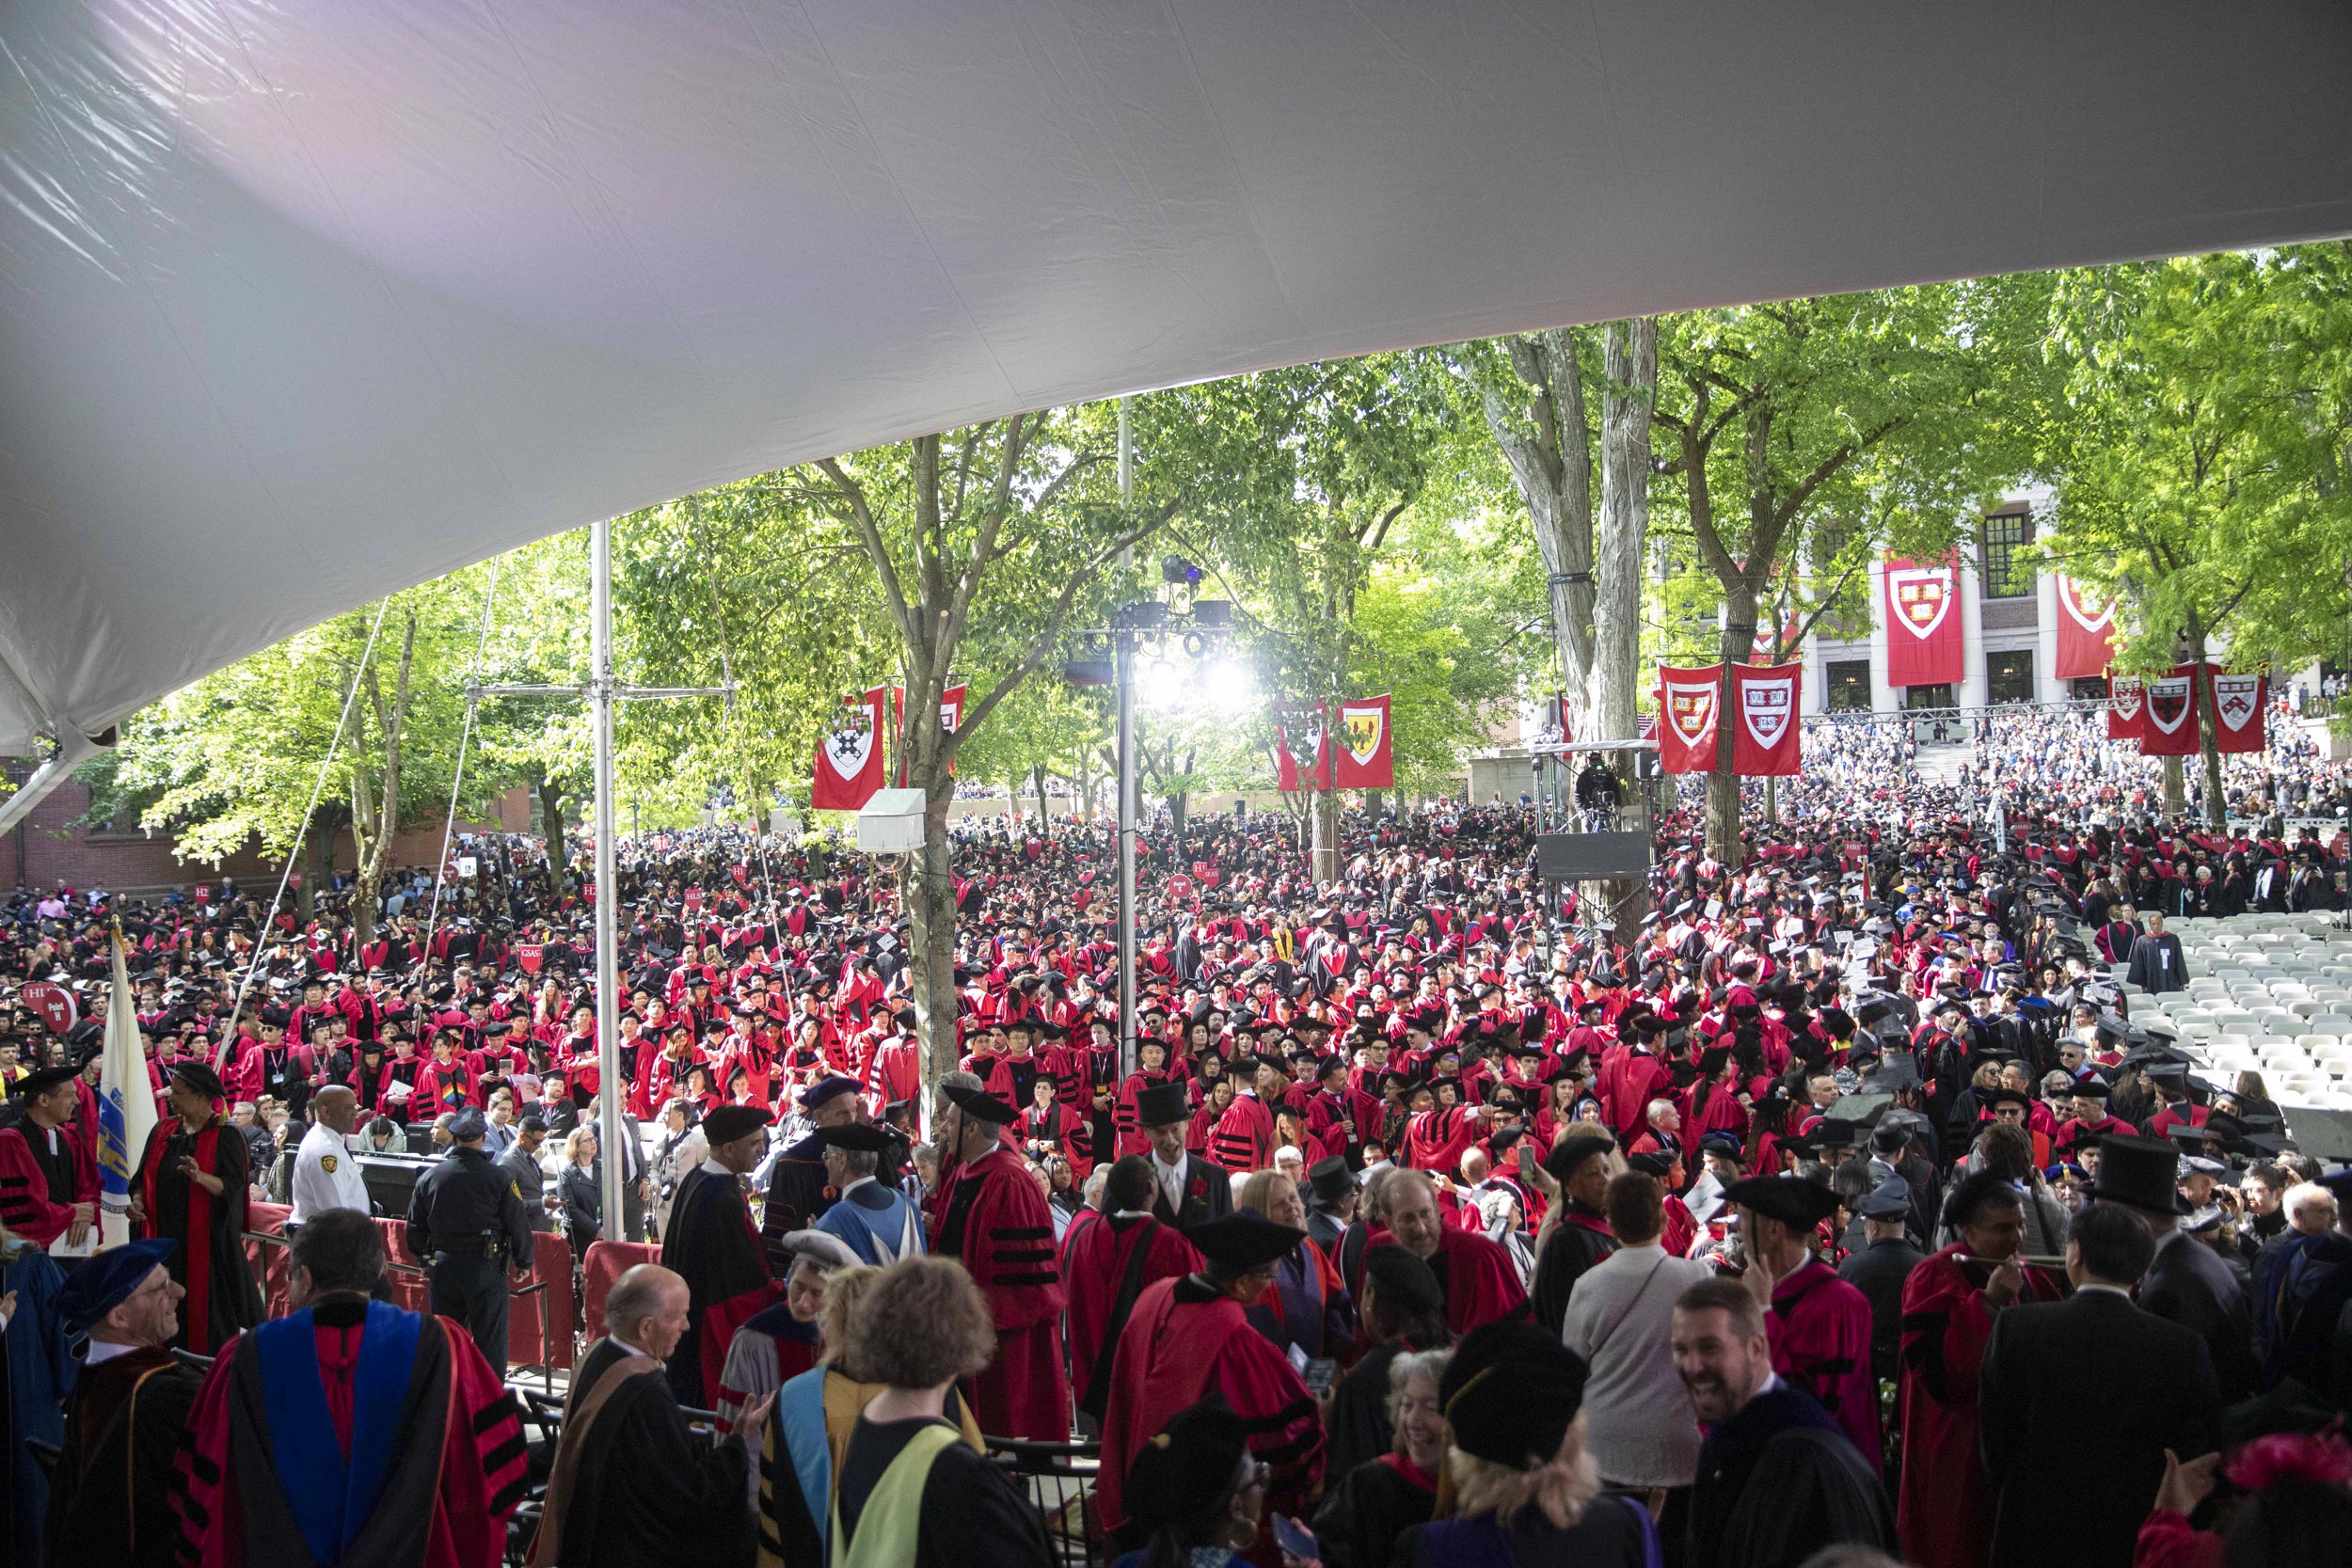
(1107, 656)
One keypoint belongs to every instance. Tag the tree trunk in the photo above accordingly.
(1629, 362)
(2208, 729)
(1548, 445)
(927, 891)
(1722, 787)
(1324, 825)
(2175, 787)
(551, 821)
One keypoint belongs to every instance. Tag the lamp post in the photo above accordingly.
(1197, 629)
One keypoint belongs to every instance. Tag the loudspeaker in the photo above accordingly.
(1591, 857)
(390, 1179)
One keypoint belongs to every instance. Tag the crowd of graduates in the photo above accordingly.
(1839, 1203)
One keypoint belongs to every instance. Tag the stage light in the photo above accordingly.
(1229, 686)
(1161, 686)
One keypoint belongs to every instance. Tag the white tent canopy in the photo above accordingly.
(307, 302)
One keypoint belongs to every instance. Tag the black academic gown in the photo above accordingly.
(970, 1511)
(710, 1245)
(1364, 1513)
(110, 1505)
(648, 1490)
(232, 1301)
(796, 1193)
(1780, 1481)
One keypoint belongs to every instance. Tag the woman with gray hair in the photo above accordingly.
(909, 1491)
(1366, 1510)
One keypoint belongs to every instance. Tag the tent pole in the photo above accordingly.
(600, 689)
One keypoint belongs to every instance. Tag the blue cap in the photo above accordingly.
(469, 1126)
(105, 1281)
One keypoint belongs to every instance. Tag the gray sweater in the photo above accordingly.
(1620, 1319)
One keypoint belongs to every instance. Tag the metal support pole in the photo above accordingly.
(600, 693)
(1124, 654)
(1126, 478)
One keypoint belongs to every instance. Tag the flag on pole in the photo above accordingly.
(126, 1108)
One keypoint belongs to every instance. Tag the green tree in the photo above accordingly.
(2197, 440)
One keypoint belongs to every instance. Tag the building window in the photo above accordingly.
(2009, 676)
(1922, 698)
(1848, 685)
(2087, 689)
(2004, 571)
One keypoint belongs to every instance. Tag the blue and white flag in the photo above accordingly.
(126, 1109)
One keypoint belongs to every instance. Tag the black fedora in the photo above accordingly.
(2140, 1173)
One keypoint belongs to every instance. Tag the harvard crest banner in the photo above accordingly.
(1689, 702)
(850, 758)
(1764, 718)
(2169, 714)
(1302, 753)
(2086, 631)
(2127, 706)
(1925, 645)
(1361, 759)
(2237, 708)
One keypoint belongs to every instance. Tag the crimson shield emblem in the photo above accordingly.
(531, 955)
(1766, 708)
(2169, 699)
(1923, 597)
(2236, 698)
(1690, 709)
(2126, 692)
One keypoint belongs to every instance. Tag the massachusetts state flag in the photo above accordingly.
(126, 1109)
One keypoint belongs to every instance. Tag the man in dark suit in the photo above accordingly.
(2151, 1381)
(2187, 1283)
(2156, 962)
(1187, 1188)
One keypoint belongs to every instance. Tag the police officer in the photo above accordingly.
(468, 1223)
(325, 1174)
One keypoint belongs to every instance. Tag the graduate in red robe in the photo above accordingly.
(1108, 1257)
(996, 1224)
(1818, 1324)
(349, 1431)
(711, 1243)
(192, 1188)
(48, 1174)
(1481, 1283)
(1190, 1337)
(1944, 1509)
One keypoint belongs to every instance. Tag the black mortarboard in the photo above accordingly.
(1241, 1240)
(1790, 1199)
(1408, 1287)
(1511, 1392)
(1195, 1455)
(859, 1136)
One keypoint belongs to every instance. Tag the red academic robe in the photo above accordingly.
(1819, 1329)
(437, 1081)
(1944, 1510)
(1096, 1252)
(24, 1202)
(1434, 1140)
(1184, 1339)
(997, 1225)
(1626, 1083)
(1244, 1138)
(480, 1478)
(1481, 1283)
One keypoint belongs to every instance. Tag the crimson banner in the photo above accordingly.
(1302, 757)
(1924, 645)
(2086, 631)
(1363, 759)
(849, 760)
(1689, 702)
(1764, 699)
(2169, 714)
(2127, 706)
(2238, 702)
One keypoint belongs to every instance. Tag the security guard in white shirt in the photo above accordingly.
(325, 1175)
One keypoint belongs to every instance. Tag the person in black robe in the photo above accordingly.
(712, 1245)
(798, 1190)
(632, 1483)
(110, 1504)
(192, 1189)
(1402, 1311)
(1778, 1479)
